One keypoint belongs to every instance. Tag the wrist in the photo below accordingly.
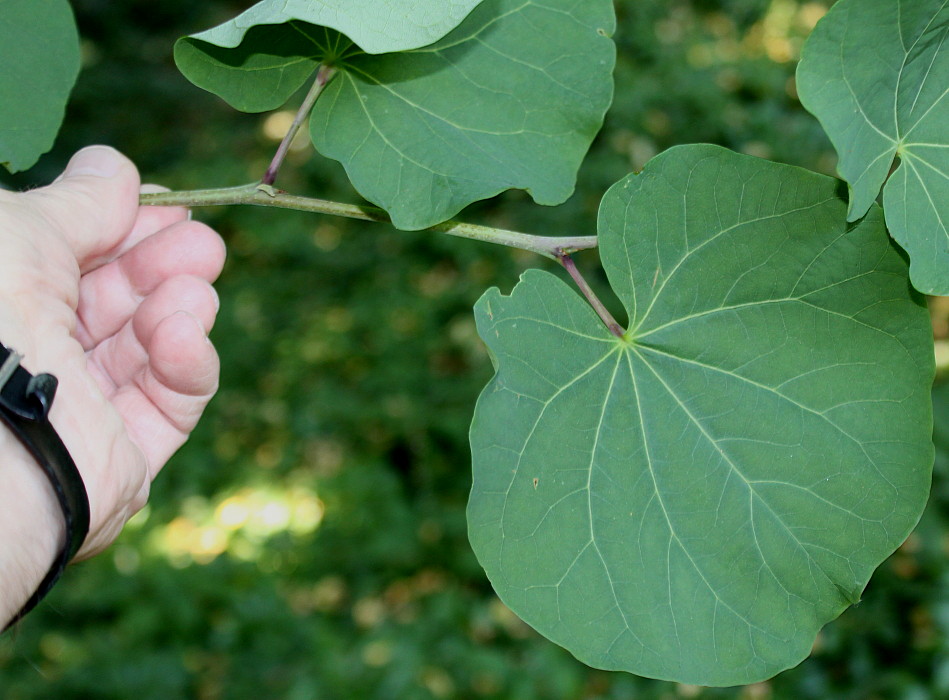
(31, 525)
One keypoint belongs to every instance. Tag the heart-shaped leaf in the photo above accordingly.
(39, 52)
(876, 75)
(512, 98)
(695, 500)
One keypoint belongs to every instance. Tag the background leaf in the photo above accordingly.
(880, 90)
(694, 502)
(39, 52)
(510, 99)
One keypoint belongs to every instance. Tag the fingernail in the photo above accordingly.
(193, 319)
(151, 188)
(100, 161)
(217, 300)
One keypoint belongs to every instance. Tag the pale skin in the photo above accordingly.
(116, 301)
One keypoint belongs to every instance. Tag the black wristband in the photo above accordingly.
(25, 401)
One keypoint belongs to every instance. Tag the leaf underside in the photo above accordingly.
(376, 26)
(39, 52)
(695, 501)
(512, 98)
(880, 89)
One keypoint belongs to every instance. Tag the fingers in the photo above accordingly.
(160, 370)
(163, 404)
(110, 295)
(121, 358)
(148, 220)
(145, 304)
(93, 204)
(182, 371)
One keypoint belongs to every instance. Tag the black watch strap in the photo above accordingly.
(25, 401)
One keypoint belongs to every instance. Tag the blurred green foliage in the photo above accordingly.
(309, 541)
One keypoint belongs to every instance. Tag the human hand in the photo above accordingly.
(115, 300)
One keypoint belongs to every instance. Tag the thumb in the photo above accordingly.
(93, 204)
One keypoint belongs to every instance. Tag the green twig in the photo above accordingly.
(264, 194)
(553, 247)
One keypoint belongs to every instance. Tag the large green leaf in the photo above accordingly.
(39, 52)
(512, 98)
(876, 74)
(695, 500)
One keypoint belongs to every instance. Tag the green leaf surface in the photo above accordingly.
(876, 75)
(694, 501)
(512, 98)
(39, 52)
